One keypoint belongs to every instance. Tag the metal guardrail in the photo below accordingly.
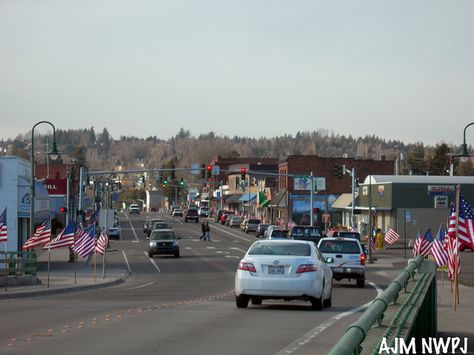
(415, 317)
(19, 263)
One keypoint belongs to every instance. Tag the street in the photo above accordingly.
(177, 305)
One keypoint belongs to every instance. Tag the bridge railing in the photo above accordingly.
(19, 263)
(406, 309)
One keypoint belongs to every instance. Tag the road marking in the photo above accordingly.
(210, 247)
(188, 248)
(306, 338)
(222, 252)
(126, 260)
(233, 256)
(153, 262)
(141, 286)
(232, 234)
(133, 230)
(235, 248)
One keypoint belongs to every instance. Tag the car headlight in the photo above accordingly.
(152, 244)
(175, 243)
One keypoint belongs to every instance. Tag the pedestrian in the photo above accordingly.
(203, 228)
(208, 230)
(379, 238)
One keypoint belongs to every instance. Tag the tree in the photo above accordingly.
(439, 162)
(103, 142)
(416, 163)
(79, 155)
(465, 169)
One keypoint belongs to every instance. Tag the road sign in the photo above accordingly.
(326, 218)
(215, 170)
(407, 216)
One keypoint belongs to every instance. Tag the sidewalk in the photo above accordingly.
(62, 278)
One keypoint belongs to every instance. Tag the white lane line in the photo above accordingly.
(188, 248)
(233, 257)
(126, 260)
(153, 262)
(133, 230)
(222, 252)
(141, 286)
(306, 338)
(232, 234)
(210, 247)
(235, 248)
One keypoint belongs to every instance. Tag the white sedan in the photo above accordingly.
(283, 269)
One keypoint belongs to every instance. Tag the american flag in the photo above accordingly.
(440, 254)
(101, 244)
(85, 242)
(453, 254)
(391, 236)
(3, 226)
(465, 224)
(423, 244)
(64, 239)
(41, 236)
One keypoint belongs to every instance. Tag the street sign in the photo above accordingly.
(407, 216)
(440, 190)
(441, 201)
(326, 218)
(195, 169)
(302, 183)
(320, 183)
(215, 170)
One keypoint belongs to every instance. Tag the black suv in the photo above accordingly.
(191, 214)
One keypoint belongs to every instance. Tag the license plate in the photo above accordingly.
(338, 269)
(276, 270)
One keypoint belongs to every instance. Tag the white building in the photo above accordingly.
(15, 196)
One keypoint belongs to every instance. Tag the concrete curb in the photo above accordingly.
(62, 290)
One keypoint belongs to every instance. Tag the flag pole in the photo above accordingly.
(6, 268)
(103, 257)
(456, 254)
(49, 260)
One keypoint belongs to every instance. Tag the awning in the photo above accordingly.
(263, 201)
(343, 201)
(279, 200)
(234, 198)
(248, 197)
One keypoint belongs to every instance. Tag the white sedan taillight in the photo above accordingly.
(247, 267)
(306, 268)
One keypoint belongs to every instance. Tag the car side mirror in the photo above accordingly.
(329, 260)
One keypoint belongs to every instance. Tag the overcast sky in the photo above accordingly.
(396, 69)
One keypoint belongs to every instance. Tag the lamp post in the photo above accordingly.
(53, 155)
(371, 255)
(463, 153)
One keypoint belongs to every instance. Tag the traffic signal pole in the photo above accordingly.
(353, 223)
(311, 200)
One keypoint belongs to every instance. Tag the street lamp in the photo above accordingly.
(371, 255)
(53, 155)
(463, 153)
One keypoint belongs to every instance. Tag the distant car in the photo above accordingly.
(310, 233)
(283, 269)
(235, 221)
(278, 234)
(225, 217)
(133, 208)
(220, 213)
(177, 212)
(163, 241)
(191, 214)
(148, 224)
(114, 231)
(348, 256)
(251, 225)
(261, 228)
(204, 212)
(343, 234)
(269, 229)
(159, 225)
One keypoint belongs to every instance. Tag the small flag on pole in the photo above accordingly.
(440, 254)
(64, 239)
(41, 236)
(86, 242)
(465, 224)
(423, 244)
(391, 236)
(3, 226)
(101, 244)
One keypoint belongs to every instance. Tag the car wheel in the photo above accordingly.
(150, 255)
(256, 301)
(241, 301)
(360, 283)
(317, 303)
(328, 302)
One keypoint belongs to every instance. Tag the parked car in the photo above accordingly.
(343, 234)
(225, 217)
(114, 231)
(191, 214)
(251, 225)
(269, 229)
(348, 256)
(310, 233)
(163, 241)
(235, 221)
(283, 269)
(133, 208)
(261, 228)
(177, 212)
(203, 212)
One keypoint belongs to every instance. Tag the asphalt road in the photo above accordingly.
(180, 305)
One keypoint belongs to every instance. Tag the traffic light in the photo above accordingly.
(172, 173)
(243, 170)
(203, 171)
(63, 209)
(165, 181)
(181, 182)
(208, 171)
(338, 171)
(315, 210)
